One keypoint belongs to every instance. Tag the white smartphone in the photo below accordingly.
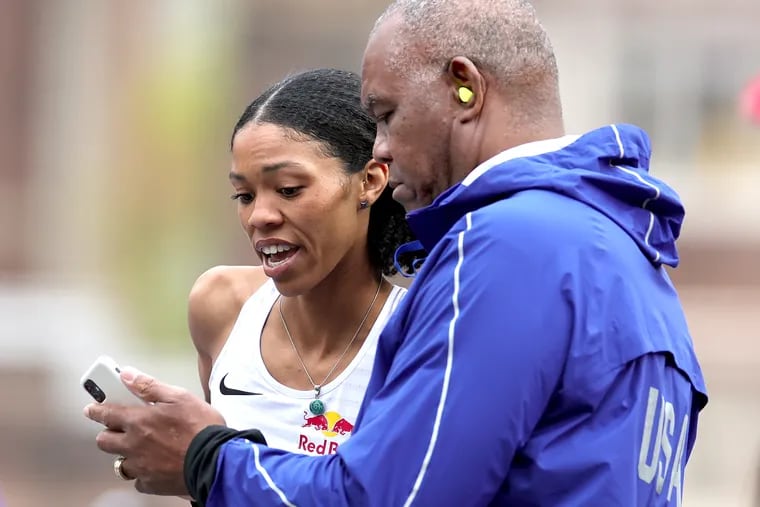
(103, 383)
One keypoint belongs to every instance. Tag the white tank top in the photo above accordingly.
(249, 397)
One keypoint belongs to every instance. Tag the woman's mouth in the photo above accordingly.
(277, 255)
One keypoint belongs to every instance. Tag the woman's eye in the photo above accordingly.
(290, 191)
(243, 197)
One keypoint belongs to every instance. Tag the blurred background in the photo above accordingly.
(115, 120)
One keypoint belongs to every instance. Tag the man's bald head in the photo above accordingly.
(424, 56)
(502, 37)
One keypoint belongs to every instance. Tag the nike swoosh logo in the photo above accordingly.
(235, 392)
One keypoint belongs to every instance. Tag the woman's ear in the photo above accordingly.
(374, 182)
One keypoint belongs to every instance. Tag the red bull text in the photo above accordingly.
(330, 424)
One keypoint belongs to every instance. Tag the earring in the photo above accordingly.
(465, 94)
(363, 204)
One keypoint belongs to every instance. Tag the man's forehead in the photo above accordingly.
(380, 63)
(375, 70)
(381, 80)
(378, 51)
(387, 29)
(384, 42)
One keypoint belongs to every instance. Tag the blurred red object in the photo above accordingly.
(749, 102)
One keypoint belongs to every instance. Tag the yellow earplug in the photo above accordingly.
(465, 94)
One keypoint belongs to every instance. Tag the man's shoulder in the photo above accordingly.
(531, 208)
(539, 218)
(533, 230)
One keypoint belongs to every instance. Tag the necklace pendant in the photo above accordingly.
(317, 407)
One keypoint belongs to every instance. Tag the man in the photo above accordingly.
(540, 358)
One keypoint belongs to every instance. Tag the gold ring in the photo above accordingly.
(117, 464)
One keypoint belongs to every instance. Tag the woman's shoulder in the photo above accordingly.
(217, 297)
(228, 283)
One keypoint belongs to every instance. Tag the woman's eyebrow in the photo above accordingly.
(267, 169)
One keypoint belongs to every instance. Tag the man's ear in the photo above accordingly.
(374, 182)
(468, 87)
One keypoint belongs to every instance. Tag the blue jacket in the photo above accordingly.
(541, 357)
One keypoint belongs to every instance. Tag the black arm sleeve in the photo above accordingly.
(200, 460)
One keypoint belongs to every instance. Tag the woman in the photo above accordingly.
(288, 347)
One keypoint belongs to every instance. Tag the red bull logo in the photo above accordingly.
(342, 426)
(330, 424)
(318, 422)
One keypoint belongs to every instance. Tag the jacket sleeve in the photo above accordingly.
(484, 341)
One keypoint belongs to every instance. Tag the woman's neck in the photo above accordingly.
(326, 319)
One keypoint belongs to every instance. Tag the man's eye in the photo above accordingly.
(383, 118)
(243, 197)
(290, 191)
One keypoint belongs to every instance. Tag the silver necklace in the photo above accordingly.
(317, 406)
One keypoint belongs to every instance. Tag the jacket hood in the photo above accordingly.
(607, 169)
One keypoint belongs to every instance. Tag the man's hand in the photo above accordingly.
(153, 439)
